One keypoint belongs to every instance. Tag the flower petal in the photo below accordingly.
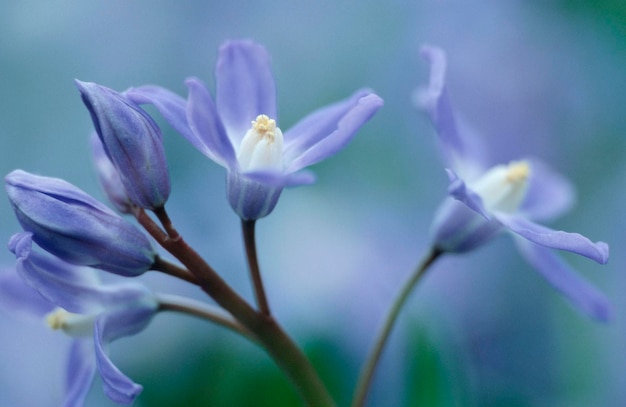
(79, 373)
(171, 106)
(109, 326)
(549, 193)
(543, 236)
(17, 298)
(245, 86)
(280, 179)
(208, 133)
(109, 177)
(74, 288)
(459, 191)
(326, 131)
(583, 295)
(462, 155)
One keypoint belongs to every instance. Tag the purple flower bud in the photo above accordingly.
(132, 141)
(109, 178)
(75, 227)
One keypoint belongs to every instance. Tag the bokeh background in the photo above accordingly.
(544, 79)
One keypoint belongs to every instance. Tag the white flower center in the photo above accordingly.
(72, 324)
(262, 146)
(503, 187)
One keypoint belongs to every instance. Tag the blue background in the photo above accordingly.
(542, 79)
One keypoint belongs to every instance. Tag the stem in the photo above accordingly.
(170, 302)
(166, 267)
(164, 218)
(367, 372)
(248, 229)
(276, 342)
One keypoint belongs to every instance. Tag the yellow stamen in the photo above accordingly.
(264, 126)
(57, 319)
(518, 171)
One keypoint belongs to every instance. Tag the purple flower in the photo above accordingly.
(511, 197)
(240, 131)
(92, 314)
(75, 227)
(133, 143)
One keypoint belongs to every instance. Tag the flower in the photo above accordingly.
(91, 313)
(75, 227)
(133, 143)
(485, 201)
(240, 131)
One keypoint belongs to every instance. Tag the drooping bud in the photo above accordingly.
(133, 143)
(75, 227)
(261, 150)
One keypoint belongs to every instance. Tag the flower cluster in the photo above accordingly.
(69, 237)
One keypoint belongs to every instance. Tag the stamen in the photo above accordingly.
(57, 319)
(518, 171)
(262, 146)
(264, 127)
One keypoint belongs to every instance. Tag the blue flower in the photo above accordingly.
(240, 131)
(93, 314)
(77, 228)
(510, 197)
(133, 143)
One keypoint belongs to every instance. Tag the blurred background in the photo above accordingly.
(544, 79)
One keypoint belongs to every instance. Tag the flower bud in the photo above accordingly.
(109, 178)
(75, 227)
(133, 143)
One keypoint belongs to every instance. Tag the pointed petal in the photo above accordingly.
(171, 106)
(549, 193)
(328, 130)
(208, 133)
(57, 281)
(17, 298)
(245, 86)
(457, 147)
(74, 288)
(543, 236)
(113, 325)
(583, 295)
(79, 373)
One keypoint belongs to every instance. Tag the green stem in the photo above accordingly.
(248, 229)
(367, 372)
(276, 342)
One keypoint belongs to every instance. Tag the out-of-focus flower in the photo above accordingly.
(91, 313)
(77, 228)
(486, 201)
(133, 143)
(240, 131)
(109, 177)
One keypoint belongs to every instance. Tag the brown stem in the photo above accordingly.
(248, 229)
(172, 269)
(275, 341)
(169, 302)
